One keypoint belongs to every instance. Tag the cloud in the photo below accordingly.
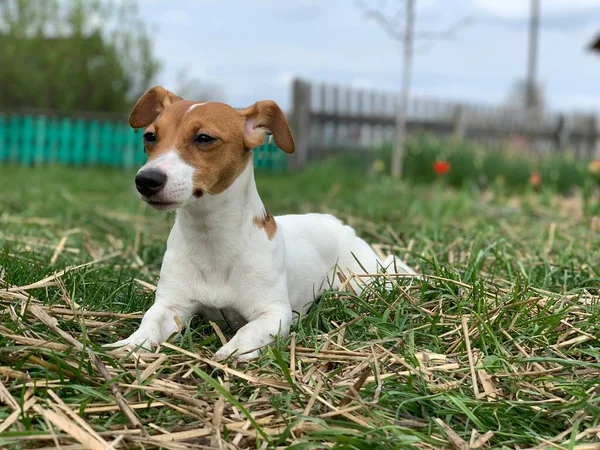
(176, 17)
(284, 78)
(578, 102)
(563, 15)
(517, 9)
(254, 50)
(362, 83)
(305, 13)
(295, 11)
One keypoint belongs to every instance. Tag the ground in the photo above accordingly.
(495, 346)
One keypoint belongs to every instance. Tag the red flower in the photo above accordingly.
(441, 167)
(535, 179)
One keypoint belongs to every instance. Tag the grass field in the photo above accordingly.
(496, 346)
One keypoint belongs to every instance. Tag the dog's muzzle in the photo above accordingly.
(150, 182)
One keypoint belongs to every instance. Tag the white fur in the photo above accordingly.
(195, 105)
(220, 264)
(180, 185)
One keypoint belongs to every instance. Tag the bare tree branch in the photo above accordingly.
(392, 26)
(449, 33)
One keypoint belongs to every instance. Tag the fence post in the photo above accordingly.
(336, 113)
(593, 136)
(300, 123)
(360, 112)
(317, 147)
(459, 122)
(562, 133)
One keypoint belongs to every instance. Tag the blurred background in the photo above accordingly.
(461, 135)
(481, 93)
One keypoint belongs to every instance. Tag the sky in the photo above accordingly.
(253, 49)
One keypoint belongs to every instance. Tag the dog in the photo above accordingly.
(227, 257)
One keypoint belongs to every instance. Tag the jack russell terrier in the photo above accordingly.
(227, 257)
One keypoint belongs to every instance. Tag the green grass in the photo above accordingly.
(506, 166)
(519, 275)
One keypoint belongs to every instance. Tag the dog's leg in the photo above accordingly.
(258, 332)
(158, 324)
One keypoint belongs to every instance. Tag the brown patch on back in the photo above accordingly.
(267, 223)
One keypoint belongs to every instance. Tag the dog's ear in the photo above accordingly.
(266, 115)
(150, 105)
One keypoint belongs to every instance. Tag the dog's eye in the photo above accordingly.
(203, 139)
(150, 137)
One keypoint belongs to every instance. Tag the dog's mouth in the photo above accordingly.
(161, 205)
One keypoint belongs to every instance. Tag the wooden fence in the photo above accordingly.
(43, 137)
(327, 119)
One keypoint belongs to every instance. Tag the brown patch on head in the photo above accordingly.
(214, 138)
(267, 223)
(209, 137)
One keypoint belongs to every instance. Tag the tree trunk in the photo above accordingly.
(398, 152)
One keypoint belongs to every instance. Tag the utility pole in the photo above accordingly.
(534, 28)
(402, 112)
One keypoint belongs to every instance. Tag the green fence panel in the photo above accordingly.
(53, 142)
(3, 139)
(140, 152)
(27, 142)
(270, 157)
(107, 141)
(259, 158)
(40, 151)
(79, 138)
(14, 138)
(93, 150)
(66, 140)
(115, 151)
(118, 148)
(40, 139)
(131, 144)
(119, 152)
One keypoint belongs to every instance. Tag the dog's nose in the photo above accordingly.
(150, 182)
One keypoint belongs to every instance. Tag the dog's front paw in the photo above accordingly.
(158, 325)
(138, 340)
(239, 353)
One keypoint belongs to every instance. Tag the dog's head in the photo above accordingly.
(196, 149)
